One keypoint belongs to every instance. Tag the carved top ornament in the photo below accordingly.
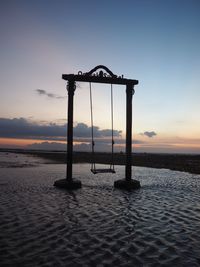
(99, 74)
(104, 72)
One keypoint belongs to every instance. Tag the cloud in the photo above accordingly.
(26, 129)
(52, 135)
(149, 134)
(22, 128)
(48, 146)
(82, 130)
(43, 92)
(84, 145)
(100, 146)
(59, 146)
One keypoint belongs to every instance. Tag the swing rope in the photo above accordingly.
(112, 124)
(92, 128)
(93, 166)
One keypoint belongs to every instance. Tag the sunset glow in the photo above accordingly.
(20, 143)
(155, 42)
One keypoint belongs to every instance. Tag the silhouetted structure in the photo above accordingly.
(99, 77)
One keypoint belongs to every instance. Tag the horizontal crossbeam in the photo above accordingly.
(98, 79)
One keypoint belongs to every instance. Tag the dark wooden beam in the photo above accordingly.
(98, 79)
(71, 89)
(129, 95)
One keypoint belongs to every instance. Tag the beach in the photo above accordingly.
(178, 162)
(97, 225)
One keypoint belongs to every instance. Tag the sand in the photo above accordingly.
(179, 162)
(98, 225)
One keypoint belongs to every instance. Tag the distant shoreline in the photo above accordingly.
(177, 162)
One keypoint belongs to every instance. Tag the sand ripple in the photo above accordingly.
(41, 225)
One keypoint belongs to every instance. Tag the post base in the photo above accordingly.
(127, 184)
(69, 185)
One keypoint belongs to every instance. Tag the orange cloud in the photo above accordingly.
(13, 142)
(18, 143)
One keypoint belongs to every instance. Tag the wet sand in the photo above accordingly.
(178, 162)
(97, 225)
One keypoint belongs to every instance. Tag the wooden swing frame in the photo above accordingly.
(102, 76)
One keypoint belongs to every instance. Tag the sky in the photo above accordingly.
(154, 41)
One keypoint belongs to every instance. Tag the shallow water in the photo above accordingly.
(158, 225)
(16, 160)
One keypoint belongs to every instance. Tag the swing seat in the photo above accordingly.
(96, 171)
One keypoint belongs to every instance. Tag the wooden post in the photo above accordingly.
(128, 183)
(71, 87)
(129, 95)
(69, 183)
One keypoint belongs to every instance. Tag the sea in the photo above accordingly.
(97, 225)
